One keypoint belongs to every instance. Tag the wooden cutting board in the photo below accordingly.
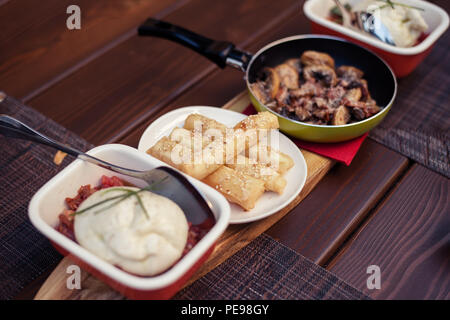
(235, 237)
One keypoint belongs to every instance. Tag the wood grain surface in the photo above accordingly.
(37, 49)
(408, 237)
(107, 85)
(139, 75)
(321, 223)
(233, 239)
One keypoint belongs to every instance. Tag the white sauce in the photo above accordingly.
(124, 236)
(405, 24)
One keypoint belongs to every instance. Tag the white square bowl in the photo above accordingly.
(49, 202)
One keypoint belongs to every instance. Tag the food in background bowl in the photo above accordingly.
(310, 89)
(402, 60)
(138, 231)
(404, 22)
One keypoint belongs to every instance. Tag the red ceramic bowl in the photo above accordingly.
(49, 201)
(402, 60)
(164, 293)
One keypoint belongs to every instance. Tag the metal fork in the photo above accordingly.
(169, 182)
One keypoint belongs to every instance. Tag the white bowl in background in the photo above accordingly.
(402, 60)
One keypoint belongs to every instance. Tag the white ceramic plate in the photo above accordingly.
(270, 202)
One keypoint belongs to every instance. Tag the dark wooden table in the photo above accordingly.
(106, 84)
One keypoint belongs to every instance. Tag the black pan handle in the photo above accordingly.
(221, 53)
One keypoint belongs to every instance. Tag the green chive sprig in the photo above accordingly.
(392, 4)
(119, 198)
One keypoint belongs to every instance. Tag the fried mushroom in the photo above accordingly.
(349, 72)
(341, 116)
(272, 81)
(311, 58)
(349, 77)
(295, 63)
(266, 88)
(302, 113)
(282, 96)
(354, 94)
(309, 88)
(288, 76)
(321, 73)
(259, 91)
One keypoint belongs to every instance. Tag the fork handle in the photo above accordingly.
(346, 16)
(13, 128)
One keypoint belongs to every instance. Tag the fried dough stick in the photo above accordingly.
(236, 186)
(197, 121)
(273, 181)
(262, 120)
(187, 138)
(265, 154)
(232, 142)
(257, 127)
(182, 158)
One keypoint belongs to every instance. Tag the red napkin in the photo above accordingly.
(341, 151)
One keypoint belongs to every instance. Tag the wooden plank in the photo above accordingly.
(2, 2)
(214, 90)
(105, 99)
(408, 238)
(340, 202)
(234, 238)
(37, 49)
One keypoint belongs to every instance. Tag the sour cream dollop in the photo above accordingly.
(124, 235)
(405, 24)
